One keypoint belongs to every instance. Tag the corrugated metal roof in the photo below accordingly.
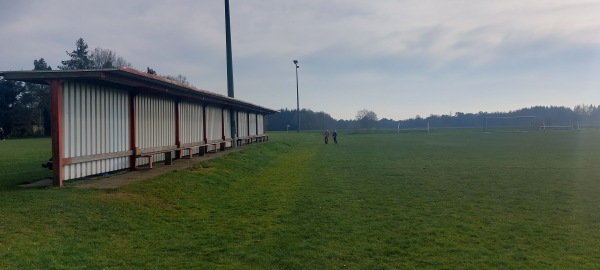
(133, 80)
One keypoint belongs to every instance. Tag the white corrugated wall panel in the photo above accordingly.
(260, 119)
(155, 124)
(94, 122)
(214, 129)
(190, 124)
(227, 126)
(242, 124)
(252, 124)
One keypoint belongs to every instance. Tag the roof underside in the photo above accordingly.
(133, 80)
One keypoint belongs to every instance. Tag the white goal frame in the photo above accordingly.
(544, 127)
(402, 130)
(530, 127)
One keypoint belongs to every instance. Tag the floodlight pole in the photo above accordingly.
(230, 93)
(229, 54)
(297, 95)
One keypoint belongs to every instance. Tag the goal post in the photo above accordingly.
(544, 127)
(417, 129)
(509, 123)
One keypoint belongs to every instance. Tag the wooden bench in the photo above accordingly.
(219, 145)
(262, 137)
(190, 147)
(224, 143)
(252, 138)
(148, 153)
(215, 143)
(245, 139)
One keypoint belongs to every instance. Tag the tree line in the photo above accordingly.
(286, 119)
(25, 107)
(584, 115)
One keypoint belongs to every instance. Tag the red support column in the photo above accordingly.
(132, 131)
(56, 110)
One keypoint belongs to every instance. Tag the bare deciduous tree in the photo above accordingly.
(179, 78)
(106, 58)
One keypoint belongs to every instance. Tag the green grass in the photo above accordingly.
(21, 159)
(453, 200)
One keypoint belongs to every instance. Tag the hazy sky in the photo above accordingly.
(396, 58)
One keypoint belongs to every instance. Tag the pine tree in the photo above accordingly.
(80, 58)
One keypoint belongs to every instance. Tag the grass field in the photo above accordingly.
(21, 160)
(452, 200)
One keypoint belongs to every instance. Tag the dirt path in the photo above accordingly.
(116, 180)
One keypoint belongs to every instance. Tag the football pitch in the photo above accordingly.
(376, 200)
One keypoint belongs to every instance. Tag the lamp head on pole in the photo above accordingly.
(296, 63)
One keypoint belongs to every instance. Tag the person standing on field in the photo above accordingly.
(334, 136)
(1, 134)
(326, 136)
